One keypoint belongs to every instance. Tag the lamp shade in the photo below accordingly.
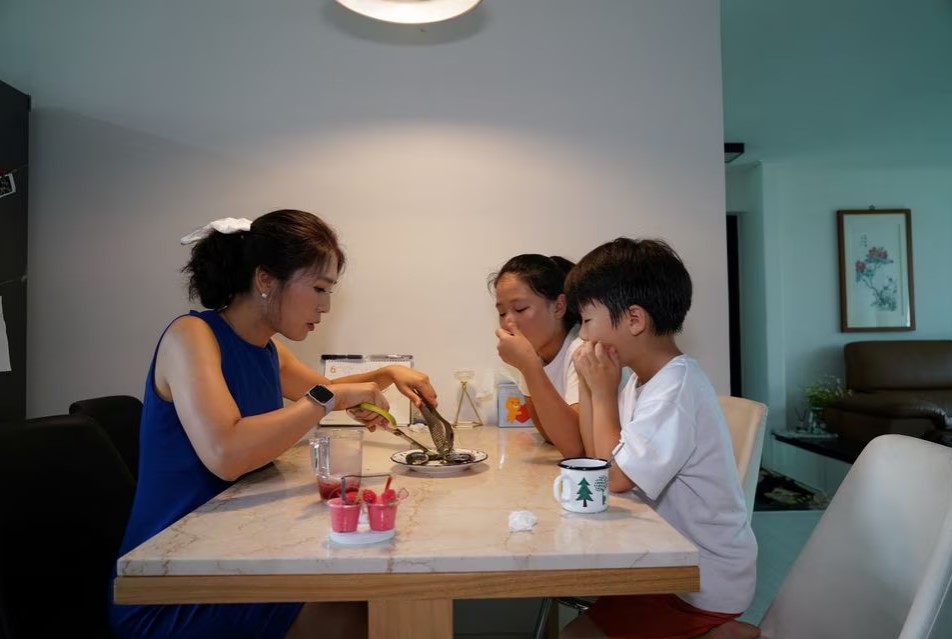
(410, 11)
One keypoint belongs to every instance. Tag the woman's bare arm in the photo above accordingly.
(188, 373)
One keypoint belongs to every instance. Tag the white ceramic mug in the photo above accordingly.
(582, 486)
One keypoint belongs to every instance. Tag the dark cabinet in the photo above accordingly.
(14, 146)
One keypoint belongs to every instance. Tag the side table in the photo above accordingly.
(827, 446)
(821, 463)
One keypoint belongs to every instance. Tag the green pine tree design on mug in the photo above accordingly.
(584, 492)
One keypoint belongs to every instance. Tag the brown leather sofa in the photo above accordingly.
(899, 386)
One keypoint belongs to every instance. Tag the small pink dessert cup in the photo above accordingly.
(382, 516)
(344, 516)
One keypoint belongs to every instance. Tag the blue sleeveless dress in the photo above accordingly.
(173, 481)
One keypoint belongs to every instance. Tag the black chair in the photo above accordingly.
(119, 416)
(66, 496)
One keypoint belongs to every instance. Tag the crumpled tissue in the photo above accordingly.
(417, 428)
(521, 520)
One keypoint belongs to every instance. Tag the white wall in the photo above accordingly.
(437, 153)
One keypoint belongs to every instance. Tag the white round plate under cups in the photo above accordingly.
(437, 466)
(361, 537)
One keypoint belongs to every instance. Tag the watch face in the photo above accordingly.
(321, 394)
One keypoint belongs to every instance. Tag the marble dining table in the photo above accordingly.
(267, 538)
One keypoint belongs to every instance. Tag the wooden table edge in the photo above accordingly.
(170, 589)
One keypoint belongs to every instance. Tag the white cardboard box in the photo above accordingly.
(342, 365)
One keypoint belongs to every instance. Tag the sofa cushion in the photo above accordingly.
(899, 365)
(860, 428)
(898, 404)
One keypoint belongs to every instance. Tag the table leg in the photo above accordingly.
(552, 623)
(411, 618)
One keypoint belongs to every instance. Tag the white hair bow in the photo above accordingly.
(226, 225)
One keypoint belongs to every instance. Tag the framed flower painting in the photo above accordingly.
(876, 289)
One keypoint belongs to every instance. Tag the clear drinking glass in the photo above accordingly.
(336, 453)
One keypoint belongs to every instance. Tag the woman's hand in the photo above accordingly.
(412, 383)
(514, 348)
(368, 418)
(350, 395)
(598, 365)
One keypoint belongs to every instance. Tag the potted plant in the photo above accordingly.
(821, 394)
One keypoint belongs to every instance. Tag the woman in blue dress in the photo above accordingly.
(213, 407)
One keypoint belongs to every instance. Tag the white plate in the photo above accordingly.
(434, 467)
(360, 537)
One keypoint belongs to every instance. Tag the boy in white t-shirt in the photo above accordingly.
(671, 443)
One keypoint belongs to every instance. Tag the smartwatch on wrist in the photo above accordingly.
(323, 396)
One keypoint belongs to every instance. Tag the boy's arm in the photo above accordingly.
(585, 417)
(600, 373)
(607, 434)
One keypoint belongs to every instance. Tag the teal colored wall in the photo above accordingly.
(789, 261)
(842, 104)
(806, 203)
(839, 82)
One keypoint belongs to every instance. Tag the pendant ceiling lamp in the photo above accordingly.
(410, 11)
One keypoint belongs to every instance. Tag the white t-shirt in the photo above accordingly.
(678, 452)
(561, 370)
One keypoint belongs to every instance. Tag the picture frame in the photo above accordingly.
(8, 185)
(876, 282)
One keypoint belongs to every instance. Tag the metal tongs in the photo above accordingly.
(391, 425)
(441, 431)
(442, 434)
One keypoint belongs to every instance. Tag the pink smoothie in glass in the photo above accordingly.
(329, 487)
(343, 517)
(382, 516)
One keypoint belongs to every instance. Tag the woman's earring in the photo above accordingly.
(264, 296)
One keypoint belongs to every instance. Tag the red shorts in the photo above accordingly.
(653, 617)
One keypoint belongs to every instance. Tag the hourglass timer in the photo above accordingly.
(464, 377)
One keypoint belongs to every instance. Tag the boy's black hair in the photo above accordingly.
(544, 275)
(626, 272)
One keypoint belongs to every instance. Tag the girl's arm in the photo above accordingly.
(553, 417)
(188, 373)
(556, 420)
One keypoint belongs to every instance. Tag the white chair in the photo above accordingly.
(746, 421)
(879, 562)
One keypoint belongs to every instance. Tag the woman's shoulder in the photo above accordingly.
(188, 328)
(190, 321)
